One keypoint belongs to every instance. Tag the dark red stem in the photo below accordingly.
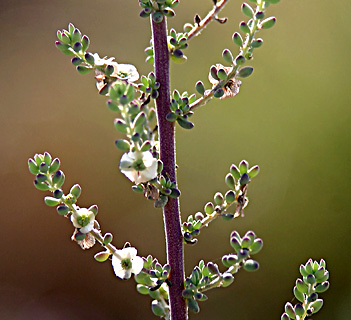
(171, 214)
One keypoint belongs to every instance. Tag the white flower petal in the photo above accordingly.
(138, 264)
(126, 253)
(127, 167)
(88, 227)
(129, 253)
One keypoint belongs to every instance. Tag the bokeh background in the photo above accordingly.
(292, 117)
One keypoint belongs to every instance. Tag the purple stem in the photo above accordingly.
(171, 213)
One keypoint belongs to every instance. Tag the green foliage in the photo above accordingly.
(314, 280)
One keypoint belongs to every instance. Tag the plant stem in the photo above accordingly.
(205, 21)
(171, 213)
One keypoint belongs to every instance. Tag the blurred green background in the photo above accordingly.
(292, 117)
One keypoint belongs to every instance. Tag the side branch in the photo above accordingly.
(210, 16)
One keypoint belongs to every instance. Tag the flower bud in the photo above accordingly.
(76, 61)
(58, 193)
(240, 60)
(41, 177)
(62, 210)
(193, 305)
(299, 309)
(244, 179)
(257, 43)
(43, 167)
(218, 93)
(227, 279)
(251, 265)
(311, 279)
(157, 17)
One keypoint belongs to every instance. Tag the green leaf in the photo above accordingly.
(121, 126)
(32, 166)
(102, 256)
(83, 69)
(245, 72)
(237, 39)
(123, 145)
(185, 123)
(247, 10)
(193, 305)
(157, 308)
(200, 88)
(316, 305)
(244, 27)
(227, 56)
(51, 201)
(268, 23)
(76, 190)
(298, 294)
(254, 171)
(41, 186)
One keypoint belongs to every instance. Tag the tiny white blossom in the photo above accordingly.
(125, 72)
(139, 166)
(83, 219)
(102, 61)
(125, 262)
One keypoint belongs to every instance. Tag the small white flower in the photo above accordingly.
(125, 262)
(125, 72)
(102, 61)
(138, 167)
(83, 219)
